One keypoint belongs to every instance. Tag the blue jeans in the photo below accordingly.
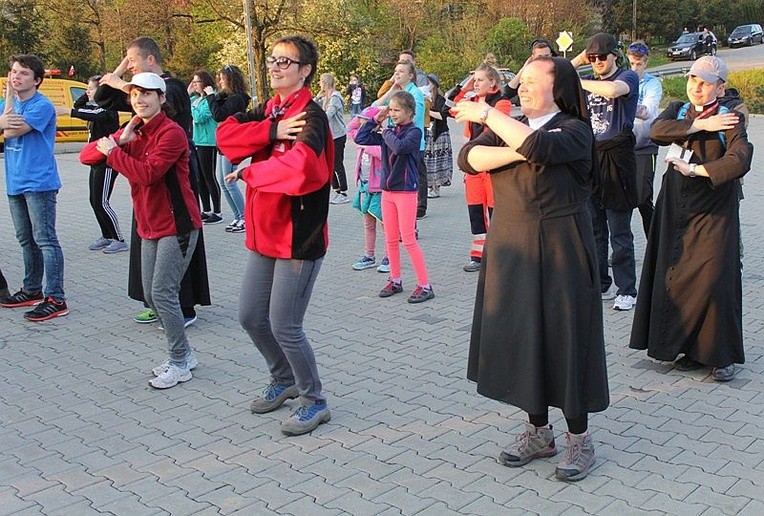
(231, 191)
(616, 224)
(274, 297)
(34, 217)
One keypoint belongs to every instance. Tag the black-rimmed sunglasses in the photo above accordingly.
(596, 57)
(282, 62)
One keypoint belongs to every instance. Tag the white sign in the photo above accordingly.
(564, 41)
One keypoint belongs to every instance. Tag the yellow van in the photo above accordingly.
(63, 92)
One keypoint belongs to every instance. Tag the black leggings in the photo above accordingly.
(577, 426)
(208, 186)
(339, 178)
(102, 179)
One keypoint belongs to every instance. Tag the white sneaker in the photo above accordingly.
(191, 363)
(171, 377)
(339, 198)
(609, 293)
(624, 303)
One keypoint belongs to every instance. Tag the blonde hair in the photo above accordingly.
(490, 72)
(327, 79)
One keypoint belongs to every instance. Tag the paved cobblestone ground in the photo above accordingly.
(82, 433)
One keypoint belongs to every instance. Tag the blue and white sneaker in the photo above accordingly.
(273, 396)
(306, 418)
(384, 266)
(366, 262)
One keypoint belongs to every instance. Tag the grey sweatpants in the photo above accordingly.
(163, 263)
(272, 303)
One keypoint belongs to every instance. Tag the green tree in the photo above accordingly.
(22, 27)
(509, 40)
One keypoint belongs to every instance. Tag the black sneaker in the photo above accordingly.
(687, 364)
(205, 216)
(22, 298)
(390, 289)
(213, 218)
(48, 309)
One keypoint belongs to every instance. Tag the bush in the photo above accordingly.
(750, 84)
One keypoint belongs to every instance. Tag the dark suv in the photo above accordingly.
(745, 35)
(691, 46)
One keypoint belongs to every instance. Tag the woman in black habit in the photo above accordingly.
(537, 337)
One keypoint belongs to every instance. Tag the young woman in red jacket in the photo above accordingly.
(152, 153)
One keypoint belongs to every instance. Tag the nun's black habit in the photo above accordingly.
(537, 337)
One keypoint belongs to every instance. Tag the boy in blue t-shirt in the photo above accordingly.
(28, 123)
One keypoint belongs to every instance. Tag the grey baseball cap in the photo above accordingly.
(709, 68)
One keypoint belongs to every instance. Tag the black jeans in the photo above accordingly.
(339, 178)
(209, 189)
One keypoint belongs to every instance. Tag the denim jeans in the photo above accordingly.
(616, 224)
(231, 191)
(34, 217)
(274, 297)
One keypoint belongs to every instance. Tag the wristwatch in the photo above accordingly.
(692, 170)
(484, 114)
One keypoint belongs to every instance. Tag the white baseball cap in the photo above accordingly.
(147, 81)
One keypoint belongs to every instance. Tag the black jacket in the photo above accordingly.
(101, 121)
(616, 186)
(223, 105)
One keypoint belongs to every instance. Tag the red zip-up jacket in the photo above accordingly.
(156, 165)
(288, 182)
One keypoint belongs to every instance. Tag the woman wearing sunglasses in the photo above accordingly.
(287, 203)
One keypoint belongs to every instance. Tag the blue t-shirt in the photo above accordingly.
(610, 116)
(29, 162)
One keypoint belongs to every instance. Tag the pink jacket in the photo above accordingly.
(374, 152)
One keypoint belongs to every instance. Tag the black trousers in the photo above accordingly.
(209, 189)
(101, 183)
(645, 177)
(339, 178)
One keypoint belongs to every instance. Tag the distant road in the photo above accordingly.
(743, 58)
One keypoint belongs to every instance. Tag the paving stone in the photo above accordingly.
(409, 434)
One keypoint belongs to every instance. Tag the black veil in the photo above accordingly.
(567, 91)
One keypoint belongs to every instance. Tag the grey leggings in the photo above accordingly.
(274, 296)
(163, 263)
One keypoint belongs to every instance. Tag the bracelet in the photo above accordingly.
(484, 115)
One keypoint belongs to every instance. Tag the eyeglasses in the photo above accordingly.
(596, 57)
(282, 62)
(639, 48)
